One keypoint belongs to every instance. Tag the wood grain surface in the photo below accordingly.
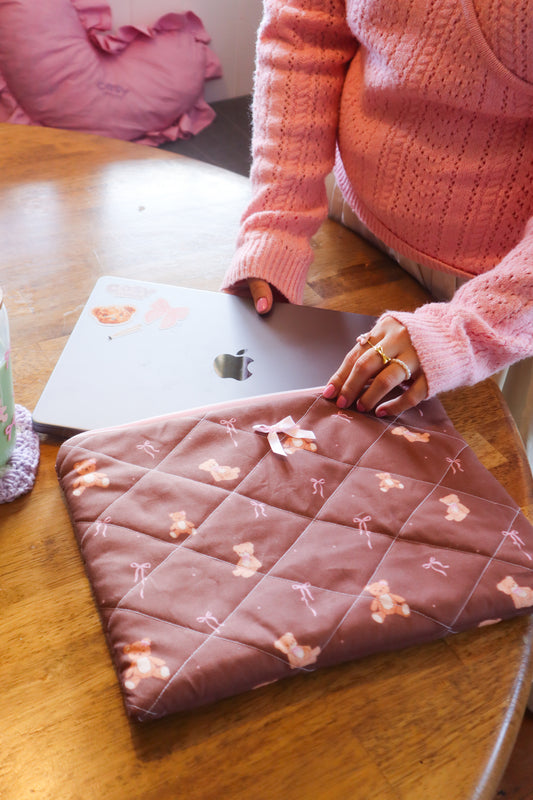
(436, 721)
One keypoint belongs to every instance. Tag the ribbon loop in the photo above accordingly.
(318, 486)
(305, 594)
(229, 425)
(286, 426)
(363, 528)
(455, 464)
(514, 536)
(209, 619)
(437, 566)
(259, 508)
(148, 448)
(140, 570)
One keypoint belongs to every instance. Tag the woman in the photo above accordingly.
(425, 109)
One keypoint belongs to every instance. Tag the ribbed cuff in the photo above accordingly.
(282, 264)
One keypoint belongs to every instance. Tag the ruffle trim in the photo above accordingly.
(96, 19)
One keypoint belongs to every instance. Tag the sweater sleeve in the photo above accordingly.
(302, 52)
(487, 326)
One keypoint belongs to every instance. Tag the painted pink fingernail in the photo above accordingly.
(360, 406)
(261, 305)
(342, 402)
(329, 391)
(380, 412)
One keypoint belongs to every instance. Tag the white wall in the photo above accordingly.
(232, 25)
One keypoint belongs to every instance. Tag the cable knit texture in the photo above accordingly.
(426, 110)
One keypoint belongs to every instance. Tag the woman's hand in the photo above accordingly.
(381, 360)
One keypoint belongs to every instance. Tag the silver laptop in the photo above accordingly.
(143, 349)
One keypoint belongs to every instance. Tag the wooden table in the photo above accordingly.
(437, 721)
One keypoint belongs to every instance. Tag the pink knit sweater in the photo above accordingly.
(426, 107)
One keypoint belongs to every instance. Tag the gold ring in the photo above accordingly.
(379, 350)
(403, 365)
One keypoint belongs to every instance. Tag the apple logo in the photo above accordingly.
(235, 366)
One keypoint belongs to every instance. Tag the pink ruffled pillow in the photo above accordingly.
(61, 67)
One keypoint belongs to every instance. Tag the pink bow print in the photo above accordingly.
(162, 310)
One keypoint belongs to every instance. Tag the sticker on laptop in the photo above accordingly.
(166, 315)
(113, 315)
(160, 312)
(130, 291)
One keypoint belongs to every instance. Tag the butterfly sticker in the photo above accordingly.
(167, 315)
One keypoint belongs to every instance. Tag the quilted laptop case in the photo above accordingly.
(234, 545)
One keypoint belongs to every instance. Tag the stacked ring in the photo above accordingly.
(403, 365)
(364, 338)
(379, 350)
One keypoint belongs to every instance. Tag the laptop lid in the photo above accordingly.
(142, 349)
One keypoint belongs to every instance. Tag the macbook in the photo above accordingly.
(142, 349)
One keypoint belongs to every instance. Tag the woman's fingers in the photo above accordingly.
(409, 399)
(358, 368)
(381, 361)
(388, 377)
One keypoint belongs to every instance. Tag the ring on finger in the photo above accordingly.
(363, 338)
(384, 357)
(403, 365)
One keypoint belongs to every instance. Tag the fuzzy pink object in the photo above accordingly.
(60, 66)
(17, 477)
(425, 108)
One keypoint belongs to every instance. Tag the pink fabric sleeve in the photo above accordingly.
(487, 326)
(303, 50)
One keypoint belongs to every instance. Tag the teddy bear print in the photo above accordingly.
(248, 564)
(181, 525)
(292, 445)
(456, 511)
(299, 655)
(522, 596)
(386, 482)
(143, 664)
(385, 603)
(87, 476)
(220, 473)
(411, 436)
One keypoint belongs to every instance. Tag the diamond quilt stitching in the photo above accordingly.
(218, 565)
